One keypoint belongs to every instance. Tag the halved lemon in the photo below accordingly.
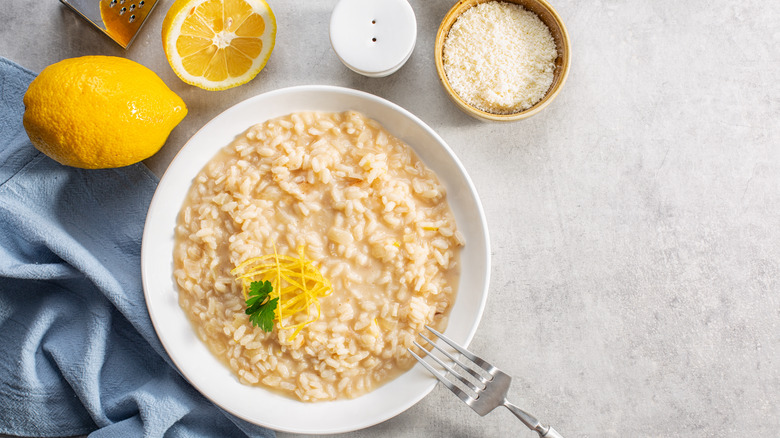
(218, 44)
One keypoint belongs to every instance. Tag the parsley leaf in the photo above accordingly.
(259, 308)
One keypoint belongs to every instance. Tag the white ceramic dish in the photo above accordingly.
(191, 356)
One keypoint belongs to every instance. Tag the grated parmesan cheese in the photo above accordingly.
(499, 57)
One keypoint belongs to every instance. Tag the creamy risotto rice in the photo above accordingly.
(369, 213)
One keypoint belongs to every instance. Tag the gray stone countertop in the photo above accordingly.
(634, 223)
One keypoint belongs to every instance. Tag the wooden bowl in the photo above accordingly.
(549, 17)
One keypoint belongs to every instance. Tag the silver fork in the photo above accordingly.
(492, 390)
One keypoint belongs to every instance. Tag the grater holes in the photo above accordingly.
(112, 3)
(141, 4)
(132, 7)
(122, 11)
(132, 18)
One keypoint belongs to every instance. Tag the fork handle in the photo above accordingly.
(551, 433)
(532, 423)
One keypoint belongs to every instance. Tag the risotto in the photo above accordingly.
(369, 214)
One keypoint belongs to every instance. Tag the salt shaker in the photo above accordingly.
(373, 37)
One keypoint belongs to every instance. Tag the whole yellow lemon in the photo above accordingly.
(97, 112)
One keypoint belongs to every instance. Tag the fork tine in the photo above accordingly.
(459, 392)
(476, 359)
(482, 379)
(462, 380)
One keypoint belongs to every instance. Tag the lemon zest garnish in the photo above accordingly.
(278, 285)
(296, 282)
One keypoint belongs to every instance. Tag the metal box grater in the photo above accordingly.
(119, 19)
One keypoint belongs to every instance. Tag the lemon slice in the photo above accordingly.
(218, 44)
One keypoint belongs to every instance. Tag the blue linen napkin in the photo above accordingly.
(78, 353)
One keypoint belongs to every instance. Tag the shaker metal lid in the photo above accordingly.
(373, 37)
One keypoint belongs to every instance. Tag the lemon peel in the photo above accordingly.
(296, 282)
(98, 112)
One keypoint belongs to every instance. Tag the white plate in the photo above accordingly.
(191, 356)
